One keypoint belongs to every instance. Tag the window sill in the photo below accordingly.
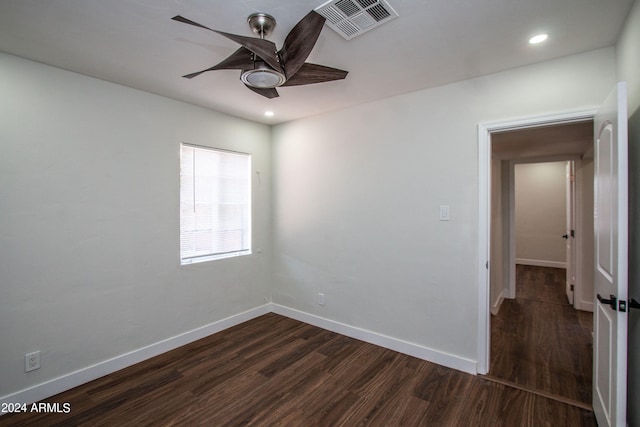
(201, 259)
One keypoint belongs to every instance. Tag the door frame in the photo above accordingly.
(511, 218)
(571, 246)
(485, 129)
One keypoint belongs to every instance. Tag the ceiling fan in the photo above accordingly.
(263, 67)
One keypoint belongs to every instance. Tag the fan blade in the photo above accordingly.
(265, 49)
(314, 73)
(269, 93)
(197, 73)
(239, 60)
(190, 22)
(300, 41)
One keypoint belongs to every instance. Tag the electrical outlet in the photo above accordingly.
(32, 361)
(320, 298)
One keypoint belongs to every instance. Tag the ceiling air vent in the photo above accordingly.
(350, 18)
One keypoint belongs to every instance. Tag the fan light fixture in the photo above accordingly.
(262, 76)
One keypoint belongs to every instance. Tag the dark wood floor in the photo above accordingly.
(275, 371)
(539, 341)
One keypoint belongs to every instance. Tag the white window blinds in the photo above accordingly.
(215, 204)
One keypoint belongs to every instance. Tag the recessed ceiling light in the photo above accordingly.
(538, 38)
(268, 113)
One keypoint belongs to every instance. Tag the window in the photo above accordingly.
(215, 204)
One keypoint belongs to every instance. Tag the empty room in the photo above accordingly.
(294, 213)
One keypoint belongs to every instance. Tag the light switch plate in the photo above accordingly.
(444, 213)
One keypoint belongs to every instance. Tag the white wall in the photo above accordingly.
(357, 195)
(628, 57)
(89, 212)
(540, 214)
(89, 220)
(628, 69)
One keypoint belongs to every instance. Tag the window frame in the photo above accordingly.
(248, 226)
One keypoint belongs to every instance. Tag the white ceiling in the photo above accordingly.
(135, 43)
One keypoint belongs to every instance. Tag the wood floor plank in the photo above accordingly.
(495, 405)
(301, 351)
(274, 371)
(539, 341)
(446, 390)
(382, 386)
(403, 409)
(280, 394)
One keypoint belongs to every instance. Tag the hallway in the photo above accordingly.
(539, 341)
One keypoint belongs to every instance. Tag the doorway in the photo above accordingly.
(499, 168)
(539, 341)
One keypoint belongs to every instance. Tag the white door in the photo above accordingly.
(569, 232)
(610, 281)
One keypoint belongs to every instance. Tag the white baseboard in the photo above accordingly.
(541, 263)
(415, 350)
(585, 306)
(495, 307)
(66, 382)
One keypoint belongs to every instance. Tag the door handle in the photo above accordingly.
(611, 302)
(565, 236)
(634, 304)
